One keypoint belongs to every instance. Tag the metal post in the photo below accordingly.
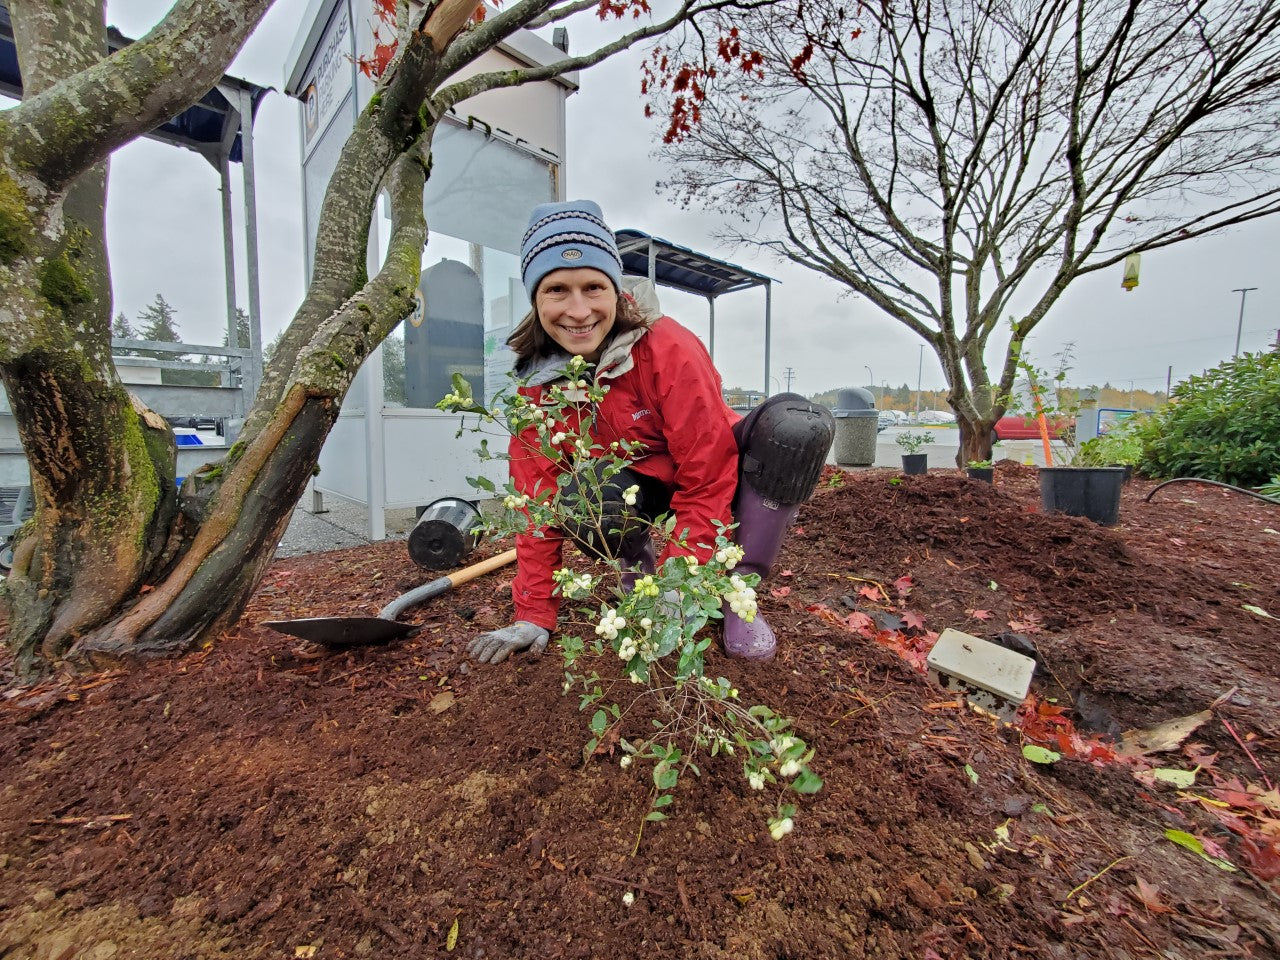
(711, 347)
(768, 330)
(919, 375)
(251, 245)
(1244, 292)
(229, 267)
(873, 380)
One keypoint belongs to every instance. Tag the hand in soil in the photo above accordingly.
(496, 645)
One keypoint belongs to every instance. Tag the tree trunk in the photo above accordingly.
(975, 440)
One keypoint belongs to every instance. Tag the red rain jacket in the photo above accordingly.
(663, 392)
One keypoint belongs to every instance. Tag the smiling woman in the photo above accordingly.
(591, 362)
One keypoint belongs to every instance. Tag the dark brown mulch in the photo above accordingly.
(264, 797)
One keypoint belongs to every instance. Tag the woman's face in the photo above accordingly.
(576, 308)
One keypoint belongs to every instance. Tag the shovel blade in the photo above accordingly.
(343, 631)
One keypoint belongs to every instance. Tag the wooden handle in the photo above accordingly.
(481, 568)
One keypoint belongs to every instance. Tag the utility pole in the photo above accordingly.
(790, 373)
(1244, 292)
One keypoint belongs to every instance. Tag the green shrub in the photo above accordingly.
(1121, 445)
(1223, 425)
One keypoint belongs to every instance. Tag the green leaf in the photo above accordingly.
(1039, 754)
(663, 800)
(482, 483)
(655, 816)
(1193, 843)
(599, 721)
(1259, 611)
(806, 782)
(451, 940)
(667, 779)
(1178, 778)
(971, 773)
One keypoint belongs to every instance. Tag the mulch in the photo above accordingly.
(264, 797)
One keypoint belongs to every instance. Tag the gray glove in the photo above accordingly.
(497, 645)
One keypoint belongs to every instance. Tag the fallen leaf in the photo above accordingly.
(799, 531)
(971, 773)
(1197, 846)
(780, 592)
(913, 620)
(903, 586)
(786, 573)
(744, 895)
(1259, 611)
(979, 614)
(441, 702)
(451, 940)
(870, 593)
(306, 950)
(1037, 754)
(1163, 736)
(1149, 896)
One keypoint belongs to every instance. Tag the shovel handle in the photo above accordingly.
(481, 568)
(443, 584)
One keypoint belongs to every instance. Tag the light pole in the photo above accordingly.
(1244, 292)
(919, 374)
(872, 381)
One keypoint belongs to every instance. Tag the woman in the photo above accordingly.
(698, 459)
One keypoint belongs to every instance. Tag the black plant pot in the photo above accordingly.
(987, 474)
(1090, 492)
(915, 463)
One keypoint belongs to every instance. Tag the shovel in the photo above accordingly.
(357, 631)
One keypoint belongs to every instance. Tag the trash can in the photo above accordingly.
(857, 423)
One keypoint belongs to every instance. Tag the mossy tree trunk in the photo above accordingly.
(114, 564)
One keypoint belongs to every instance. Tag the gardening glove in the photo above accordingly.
(497, 645)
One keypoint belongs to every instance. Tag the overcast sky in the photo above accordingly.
(165, 235)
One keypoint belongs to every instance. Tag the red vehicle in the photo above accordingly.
(1016, 426)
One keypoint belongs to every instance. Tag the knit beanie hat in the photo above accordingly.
(566, 236)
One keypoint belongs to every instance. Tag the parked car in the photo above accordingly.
(1017, 426)
(936, 417)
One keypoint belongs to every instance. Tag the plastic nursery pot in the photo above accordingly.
(987, 474)
(443, 534)
(915, 463)
(1089, 492)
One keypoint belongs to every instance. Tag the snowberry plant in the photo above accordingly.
(651, 634)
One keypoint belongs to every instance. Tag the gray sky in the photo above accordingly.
(165, 236)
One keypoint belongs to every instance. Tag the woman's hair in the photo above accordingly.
(529, 341)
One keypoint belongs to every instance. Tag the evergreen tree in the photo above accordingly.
(242, 331)
(122, 329)
(155, 322)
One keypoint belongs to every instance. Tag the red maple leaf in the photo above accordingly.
(903, 585)
(780, 592)
(871, 593)
(979, 614)
(859, 622)
(913, 620)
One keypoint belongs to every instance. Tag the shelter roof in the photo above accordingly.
(206, 127)
(682, 268)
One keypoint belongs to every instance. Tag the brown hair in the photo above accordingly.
(529, 341)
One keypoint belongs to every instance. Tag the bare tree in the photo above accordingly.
(113, 563)
(942, 158)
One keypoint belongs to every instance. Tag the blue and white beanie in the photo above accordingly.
(566, 236)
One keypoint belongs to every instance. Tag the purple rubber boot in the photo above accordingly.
(637, 560)
(762, 526)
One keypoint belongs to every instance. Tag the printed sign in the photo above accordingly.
(331, 78)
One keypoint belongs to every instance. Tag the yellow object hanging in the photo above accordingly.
(1131, 264)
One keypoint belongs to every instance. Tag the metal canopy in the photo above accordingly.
(207, 127)
(672, 265)
(220, 128)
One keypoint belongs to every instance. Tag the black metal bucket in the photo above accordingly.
(443, 535)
